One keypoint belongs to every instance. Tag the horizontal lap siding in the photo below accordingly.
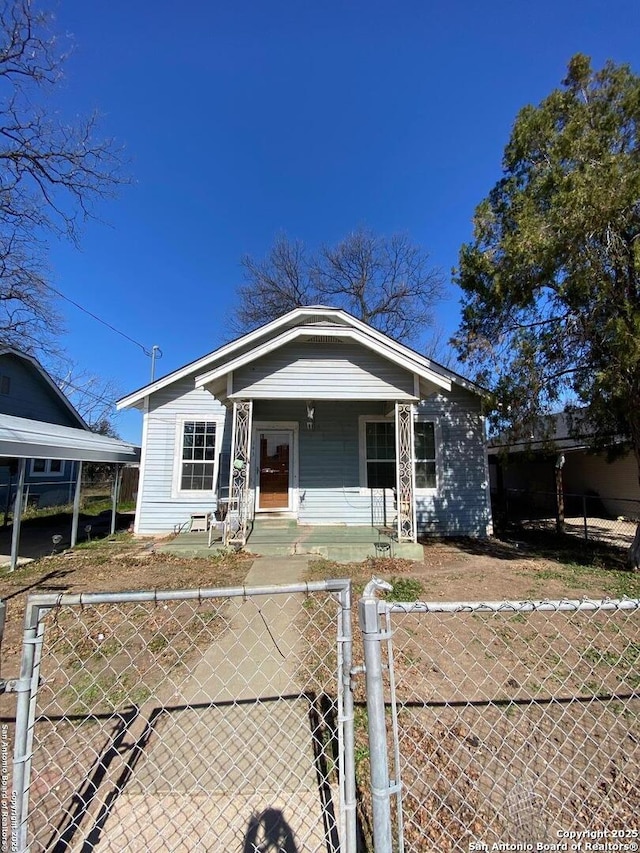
(323, 371)
(460, 507)
(329, 488)
(330, 491)
(158, 510)
(30, 396)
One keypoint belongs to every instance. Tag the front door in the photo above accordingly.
(275, 469)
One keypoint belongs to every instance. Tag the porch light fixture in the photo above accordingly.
(311, 412)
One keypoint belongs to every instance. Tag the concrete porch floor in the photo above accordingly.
(285, 537)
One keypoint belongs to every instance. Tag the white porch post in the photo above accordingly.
(115, 493)
(17, 515)
(236, 522)
(405, 473)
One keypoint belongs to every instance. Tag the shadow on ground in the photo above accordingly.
(517, 542)
(36, 533)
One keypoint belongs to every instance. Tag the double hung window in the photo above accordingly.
(198, 456)
(379, 452)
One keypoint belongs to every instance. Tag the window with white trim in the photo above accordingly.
(424, 442)
(380, 454)
(198, 456)
(379, 450)
(52, 467)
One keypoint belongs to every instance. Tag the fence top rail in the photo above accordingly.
(565, 605)
(52, 599)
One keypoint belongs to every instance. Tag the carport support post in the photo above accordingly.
(379, 767)
(114, 498)
(76, 505)
(17, 515)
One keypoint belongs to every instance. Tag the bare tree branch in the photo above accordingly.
(51, 174)
(386, 282)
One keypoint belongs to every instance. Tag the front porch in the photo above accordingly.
(284, 537)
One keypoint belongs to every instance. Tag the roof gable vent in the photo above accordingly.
(323, 339)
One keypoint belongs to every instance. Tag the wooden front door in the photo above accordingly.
(275, 469)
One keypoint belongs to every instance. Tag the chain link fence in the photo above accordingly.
(593, 518)
(186, 720)
(503, 724)
(225, 720)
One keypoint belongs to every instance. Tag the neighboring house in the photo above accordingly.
(529, 465)
(320, 418)
(27, 391)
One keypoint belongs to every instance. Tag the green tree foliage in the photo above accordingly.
(551, 288)
(551, 305)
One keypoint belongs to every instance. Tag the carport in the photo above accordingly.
(23, 439)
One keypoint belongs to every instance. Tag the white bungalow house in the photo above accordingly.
(316, 417)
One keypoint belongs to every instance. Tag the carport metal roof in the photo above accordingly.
(23, 438)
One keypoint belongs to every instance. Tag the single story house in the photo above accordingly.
(316, 417)
(43, 443)
(27, 391)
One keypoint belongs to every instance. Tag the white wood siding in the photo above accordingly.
(317, 371)
(160, 511)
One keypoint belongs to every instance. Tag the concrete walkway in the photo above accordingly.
(230, 763)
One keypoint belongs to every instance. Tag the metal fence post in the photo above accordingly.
(380, 790)
(25, 711)
(349, 772)
(584, 518)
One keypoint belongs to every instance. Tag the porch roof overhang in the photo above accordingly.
(23, 438)
(311, 319)
(426, 380)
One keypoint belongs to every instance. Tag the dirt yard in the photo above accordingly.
(511, 728)
(456, 737)
(465, 570)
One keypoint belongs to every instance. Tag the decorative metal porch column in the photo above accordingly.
(405, 473)
(236, 522)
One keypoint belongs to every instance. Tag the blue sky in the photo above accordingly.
(244, 119)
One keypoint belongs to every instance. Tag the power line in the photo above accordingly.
(104, 322)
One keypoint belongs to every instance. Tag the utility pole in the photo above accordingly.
(156, 353)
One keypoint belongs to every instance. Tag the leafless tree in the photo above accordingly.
(93, 396)
(51, 173)
(387, 282)
(273, 286)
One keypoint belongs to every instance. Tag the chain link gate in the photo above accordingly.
(186, 720)
(502, 725)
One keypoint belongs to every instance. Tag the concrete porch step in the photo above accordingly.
(286, 538)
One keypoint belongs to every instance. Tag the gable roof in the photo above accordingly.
(57, 392)
(313, 319)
